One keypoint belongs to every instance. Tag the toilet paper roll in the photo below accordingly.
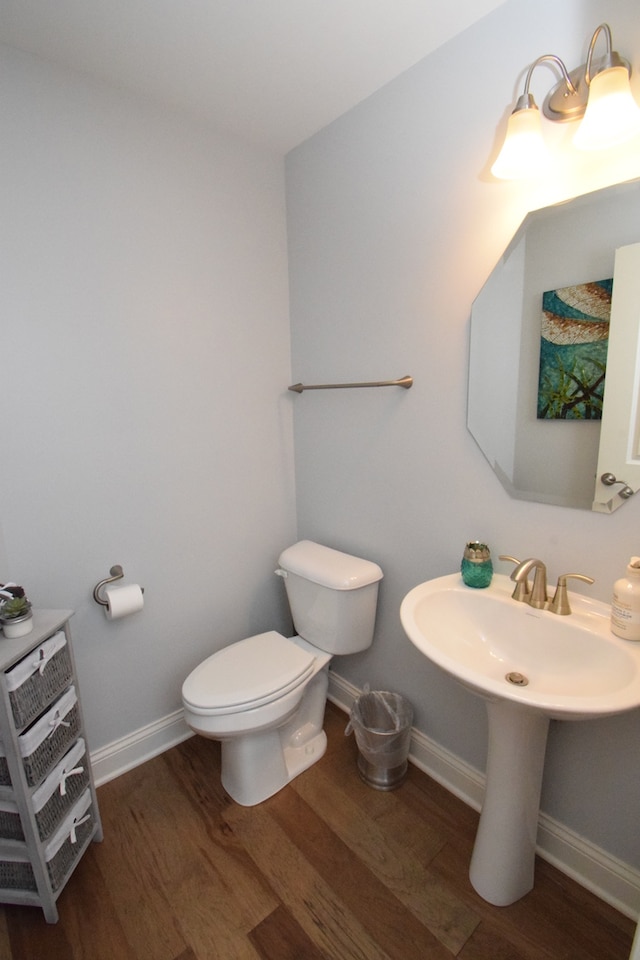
(122, 601)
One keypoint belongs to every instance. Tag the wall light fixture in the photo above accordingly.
(598, 93)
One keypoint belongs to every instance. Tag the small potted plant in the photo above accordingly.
(16, 616)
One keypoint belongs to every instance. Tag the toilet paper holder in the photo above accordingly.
(115, 573)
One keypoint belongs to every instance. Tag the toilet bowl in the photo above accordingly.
(264, 697)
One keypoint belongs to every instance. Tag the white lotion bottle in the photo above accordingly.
(625, 606)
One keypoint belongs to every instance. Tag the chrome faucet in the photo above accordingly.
(538, 596)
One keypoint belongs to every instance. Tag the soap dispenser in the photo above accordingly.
(625, 606)
(476, 566)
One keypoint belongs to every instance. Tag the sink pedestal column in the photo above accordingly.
(502, 865)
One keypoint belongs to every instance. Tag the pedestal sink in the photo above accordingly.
(529, 666)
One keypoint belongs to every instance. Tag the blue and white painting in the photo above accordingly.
(573, 351)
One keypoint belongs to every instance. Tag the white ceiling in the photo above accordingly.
(271, 71)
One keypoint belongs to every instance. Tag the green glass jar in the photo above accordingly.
(476, 566)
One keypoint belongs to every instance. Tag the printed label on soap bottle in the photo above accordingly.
(625, 605)
(627, 622)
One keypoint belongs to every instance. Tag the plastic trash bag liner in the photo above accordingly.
(381, 722)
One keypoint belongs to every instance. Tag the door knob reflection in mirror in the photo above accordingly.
(609, 480)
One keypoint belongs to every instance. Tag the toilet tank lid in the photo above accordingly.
(328, 567)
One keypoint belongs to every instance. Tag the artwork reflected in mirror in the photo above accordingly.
(573, 351)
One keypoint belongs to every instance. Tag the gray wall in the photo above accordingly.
(394, 225)
(145, 349)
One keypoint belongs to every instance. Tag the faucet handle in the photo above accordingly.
(521, 591)
(560, 603)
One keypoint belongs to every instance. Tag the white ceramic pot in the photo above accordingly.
(17, 626)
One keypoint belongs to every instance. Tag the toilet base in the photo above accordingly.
(298, 759)
(257, 765)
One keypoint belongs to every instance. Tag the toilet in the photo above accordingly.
(264, 697)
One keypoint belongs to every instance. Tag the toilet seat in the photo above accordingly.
(247, 674)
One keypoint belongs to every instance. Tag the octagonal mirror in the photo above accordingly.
(564, 254)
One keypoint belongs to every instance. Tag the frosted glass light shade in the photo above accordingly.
(612, 115)
(523, 152)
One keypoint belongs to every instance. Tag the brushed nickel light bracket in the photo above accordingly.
(568, 99)
(598, 94)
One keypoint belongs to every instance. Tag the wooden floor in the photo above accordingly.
(328, 868)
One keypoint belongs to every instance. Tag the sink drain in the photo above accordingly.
(516, 678)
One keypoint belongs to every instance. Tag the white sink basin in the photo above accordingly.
(574, 666)
(574, 669)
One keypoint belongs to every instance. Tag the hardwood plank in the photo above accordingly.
(31, 936)
(391, 857)
(317, 907)
(544, 923)
(133, 836)
(210, 920)
(196, 766)
(217, 842)
(486, 944)
(5, 943)
(280, 937)
(205, 891)
(439, 810)
(89, 916)
(591, 926)
(376, 905)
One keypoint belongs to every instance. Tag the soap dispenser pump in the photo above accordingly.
(625, 606)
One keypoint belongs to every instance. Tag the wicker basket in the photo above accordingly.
(16, 873)
(38, 678)
(5, 779)
(64, 847)
(46, 740)
(10, 822)
(62, 851)
(57, 794)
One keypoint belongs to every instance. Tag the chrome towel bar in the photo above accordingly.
(404, 382)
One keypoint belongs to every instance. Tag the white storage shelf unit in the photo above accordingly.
(48, 806)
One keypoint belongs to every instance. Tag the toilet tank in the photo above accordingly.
(332, 596)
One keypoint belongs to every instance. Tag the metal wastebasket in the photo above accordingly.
(382, 722)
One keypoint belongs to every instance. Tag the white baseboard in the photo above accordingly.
(611, 879)
(116, 758)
